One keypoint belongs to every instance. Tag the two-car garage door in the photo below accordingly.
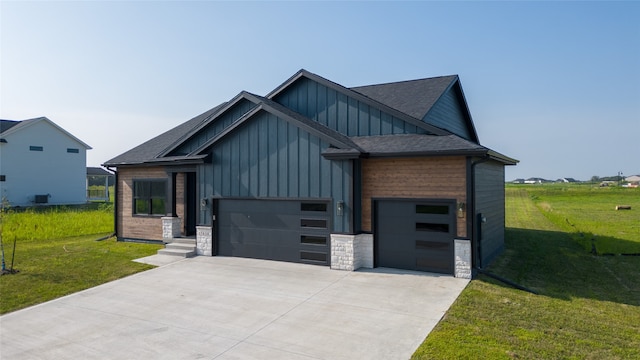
(409, 234)
(284, 230)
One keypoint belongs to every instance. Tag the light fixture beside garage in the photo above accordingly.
(339, 207)
(462, 207)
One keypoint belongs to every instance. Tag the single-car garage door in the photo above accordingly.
(415, 235)
(284, 230)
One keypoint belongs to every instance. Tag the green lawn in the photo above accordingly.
(588, 307)
(53, 261)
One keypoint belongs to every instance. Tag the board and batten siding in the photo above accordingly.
(340, 112)
(130, 226)
(415, 177)
(489, 201)
(270, 158)
(447, 113)
(230, 116)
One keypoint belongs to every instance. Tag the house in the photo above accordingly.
(41, 163)
(633, 179)
(387, 175)
(567, 180)
(98, 182)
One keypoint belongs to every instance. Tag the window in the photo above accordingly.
(3, 177)
(313, 240)
(432, 209)
(313, 223)
(432, 227)
(149, 197)
(36, 148)
(313, 207)
(73, 151)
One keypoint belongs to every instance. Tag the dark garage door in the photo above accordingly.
(415, 235)
(284, 230)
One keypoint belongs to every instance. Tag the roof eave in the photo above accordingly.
(174, 161)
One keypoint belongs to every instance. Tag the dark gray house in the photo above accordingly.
(389, 175)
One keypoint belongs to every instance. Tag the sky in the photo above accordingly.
(555, 85)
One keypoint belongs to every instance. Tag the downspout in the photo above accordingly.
(476, 230)
(115, 201)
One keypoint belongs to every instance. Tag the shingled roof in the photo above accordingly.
(150, 149)
(414, 97)
(411, 100)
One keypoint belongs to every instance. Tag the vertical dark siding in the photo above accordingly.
(340, 112)
(447, 113)
(489, 201)
(213, 129)
(270, 158)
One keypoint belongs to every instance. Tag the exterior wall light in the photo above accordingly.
(340, 208)
(462, 208)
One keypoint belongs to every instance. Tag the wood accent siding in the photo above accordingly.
(419, 177)
(489, 193)
(130, 226)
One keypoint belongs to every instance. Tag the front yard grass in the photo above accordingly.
(52, 263)
(588, 307)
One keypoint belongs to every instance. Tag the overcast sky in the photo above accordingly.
(553, 84)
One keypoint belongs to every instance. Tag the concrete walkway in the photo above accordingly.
(233, 308)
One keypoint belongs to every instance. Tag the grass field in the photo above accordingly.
(588, 307)
(54, 261)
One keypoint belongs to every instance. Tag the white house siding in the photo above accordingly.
(53, 171)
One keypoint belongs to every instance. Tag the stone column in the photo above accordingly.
(351, 252)
(204, 240)
(462, 253)
(170, 227)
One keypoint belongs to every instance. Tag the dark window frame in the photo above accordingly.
(149, 196)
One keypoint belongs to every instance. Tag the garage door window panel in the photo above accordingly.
(313, 240)
(432, 209)
(432, 227)
(313, 223)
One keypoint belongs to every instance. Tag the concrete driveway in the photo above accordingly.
(233, 308)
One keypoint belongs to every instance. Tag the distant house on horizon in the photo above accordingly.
(567, 180)
(633, 179)
(535, 180)
(41, 163)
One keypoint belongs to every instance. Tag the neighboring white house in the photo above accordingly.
(40, 163)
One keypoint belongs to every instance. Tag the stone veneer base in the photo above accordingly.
(462, 253)
(204, 240)
(171, 227)
(351, 252)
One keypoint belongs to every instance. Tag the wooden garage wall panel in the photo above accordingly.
(136, 227)
(489, 183)
(420, 177)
